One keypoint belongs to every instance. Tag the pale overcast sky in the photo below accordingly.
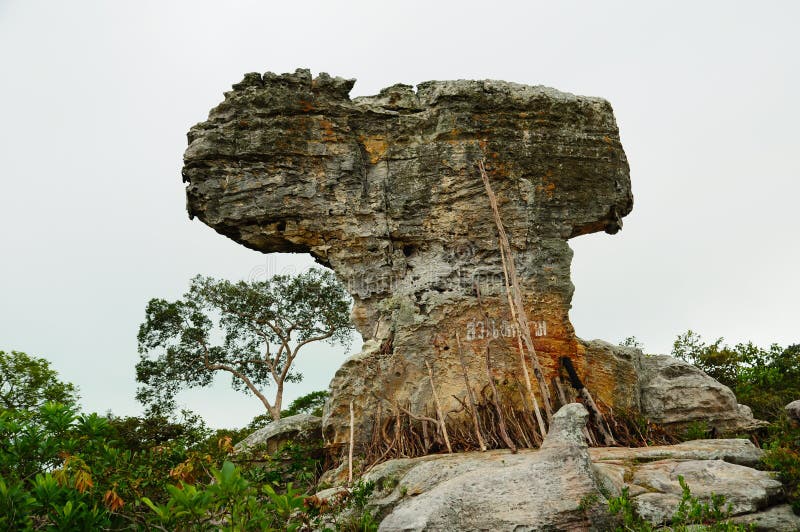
(96, 99)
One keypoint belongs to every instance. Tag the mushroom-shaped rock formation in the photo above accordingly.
(385, 191)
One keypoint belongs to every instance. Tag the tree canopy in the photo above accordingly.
(252, 330)
(28, 382)
(765, 379)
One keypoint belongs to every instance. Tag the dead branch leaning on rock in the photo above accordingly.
(442, 424)
(501, 422)
(470, 396)
(589, 403)
(517, 307)
(350, 452)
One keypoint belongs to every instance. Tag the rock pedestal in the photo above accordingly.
(385, 191)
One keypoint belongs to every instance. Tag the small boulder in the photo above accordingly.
(302, 428)
(776, 519)
(676, 393)
(736, 451)
(793, 411)
(552, 489)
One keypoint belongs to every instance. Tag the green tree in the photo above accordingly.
(311, 403)
(253, 331)
(28, 382)
(717, 360)
(765, 379)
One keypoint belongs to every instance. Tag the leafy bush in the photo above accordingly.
(763, 379)
(67, 471)
(696, 430)
(627, 518)
(346, 511)
(142, 433)
(766, 380)
(783, 456)
(60, 469)
(64, 469)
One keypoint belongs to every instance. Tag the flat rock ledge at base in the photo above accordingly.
(565, 485)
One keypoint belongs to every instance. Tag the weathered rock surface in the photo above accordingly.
(301, 428)
(384, 190)
(793, 411)
(736, 451)
(664, 389)
(656, 492)
(563, 486)
(543, 492)
(779, 518)
(674, 392)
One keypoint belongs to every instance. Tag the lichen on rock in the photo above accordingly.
(385, 191)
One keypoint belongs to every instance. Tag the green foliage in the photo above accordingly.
(141, 433)
(783, 455)
(388, 483)
(696, 430)
(229, 502)
(712, 514)
(232, 502)
(298, 464)
(347, 513)
(262, 326)
(622, 508)
(311, 403)
(763, 379)
(27, 383)
(361, 492)
(588, 501)
(60, 469)
(69, 472)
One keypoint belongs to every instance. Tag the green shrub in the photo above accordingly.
(627, 519)
(764, 379)
(783, 456)
(696, 430)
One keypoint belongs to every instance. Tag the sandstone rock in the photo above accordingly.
(551, 489)
(425, 473)
(674, 392)
(302, 428)
(385, 191)
(746, 490)
(793, 411)
(328, 493)
(566, 431)
(612, 373)
(477, 491)
(776, 519)
(736, 451)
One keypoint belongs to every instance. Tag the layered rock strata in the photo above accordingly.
(385, 191)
